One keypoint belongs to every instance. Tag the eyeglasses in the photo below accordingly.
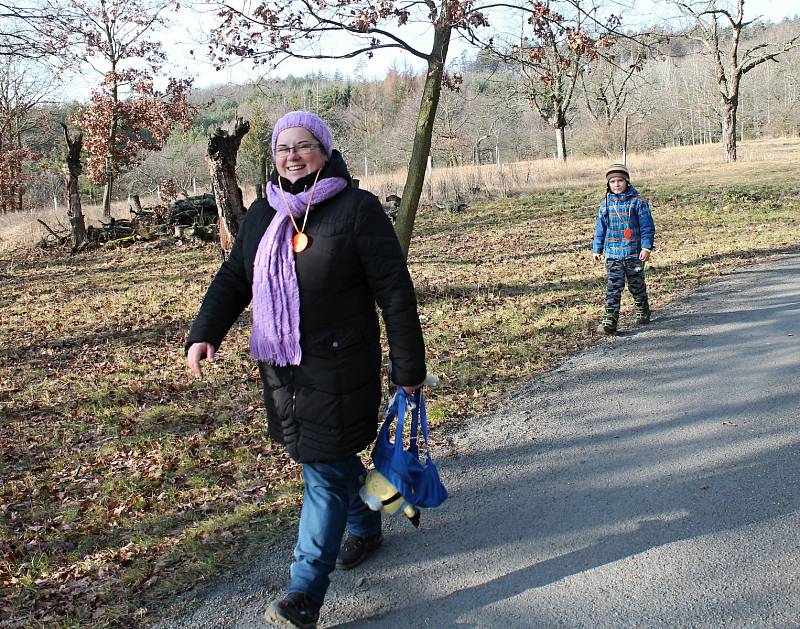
(301, 149)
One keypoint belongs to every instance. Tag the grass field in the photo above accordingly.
(125, 481)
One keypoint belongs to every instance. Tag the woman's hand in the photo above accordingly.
(430, 380)
(196, 353)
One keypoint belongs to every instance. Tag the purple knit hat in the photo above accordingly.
(306, 120)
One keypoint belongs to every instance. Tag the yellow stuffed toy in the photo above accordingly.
(380, 495)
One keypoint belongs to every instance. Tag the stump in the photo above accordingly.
(222, 150)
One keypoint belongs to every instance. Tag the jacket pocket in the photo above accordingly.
(335, 343)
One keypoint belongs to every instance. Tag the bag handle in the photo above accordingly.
(419, 419)
(419, 414)
(400, 406)
(396, 408)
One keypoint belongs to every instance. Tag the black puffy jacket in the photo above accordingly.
(326, 408)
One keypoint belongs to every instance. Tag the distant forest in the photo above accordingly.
(483, 117)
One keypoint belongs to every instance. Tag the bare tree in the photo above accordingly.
(469, 116)
(116, 40)
(361, 116)
(182, 162)
(20, 30)
(720, 31)
(450, 132)
(338, 29)
(611, 82)
(488, 128)
(23, 88)
(558, 40)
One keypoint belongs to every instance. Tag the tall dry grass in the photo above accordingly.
(463, 184)
(23, 229)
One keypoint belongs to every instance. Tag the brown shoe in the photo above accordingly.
(356, 549)
(296, 609)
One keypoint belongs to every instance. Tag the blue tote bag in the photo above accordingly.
(417, 481)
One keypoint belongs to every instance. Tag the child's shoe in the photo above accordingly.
(642, 311)
(609, 323)
(296, 609)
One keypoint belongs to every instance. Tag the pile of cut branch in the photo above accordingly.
(117, 231)
(198, 210)
(192, 217)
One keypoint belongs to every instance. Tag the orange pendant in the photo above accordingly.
(299, 242)
(628, 233)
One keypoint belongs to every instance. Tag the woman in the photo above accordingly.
(314, 258)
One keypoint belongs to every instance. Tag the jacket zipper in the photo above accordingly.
(294, 409)
(294, 395)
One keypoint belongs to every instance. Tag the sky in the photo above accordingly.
(771, 10)
(186, 32)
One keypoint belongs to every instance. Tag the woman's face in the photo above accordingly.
(298, 153)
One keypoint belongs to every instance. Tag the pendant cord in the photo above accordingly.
(618, 215)
(308, 205)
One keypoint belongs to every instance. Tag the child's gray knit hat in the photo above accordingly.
(618, 169)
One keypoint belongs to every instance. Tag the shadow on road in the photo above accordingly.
(683, 431)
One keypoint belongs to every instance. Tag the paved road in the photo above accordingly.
(651, 481)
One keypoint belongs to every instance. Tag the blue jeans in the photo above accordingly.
(330, 503)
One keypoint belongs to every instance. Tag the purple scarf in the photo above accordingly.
(276, 295)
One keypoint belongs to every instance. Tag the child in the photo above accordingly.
(624, 231)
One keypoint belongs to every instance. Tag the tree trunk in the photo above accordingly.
(107, 194)
(729, 131)
(112, 137)
(476, 150)
(3, 178)
(561, 144)
(412, 190)
(560, 124)
(18, 202)
(222, 150)
(72, 172)
(20, 192)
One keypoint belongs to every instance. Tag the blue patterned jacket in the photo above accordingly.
(620, 212)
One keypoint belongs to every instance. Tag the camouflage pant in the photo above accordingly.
(618, 271)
